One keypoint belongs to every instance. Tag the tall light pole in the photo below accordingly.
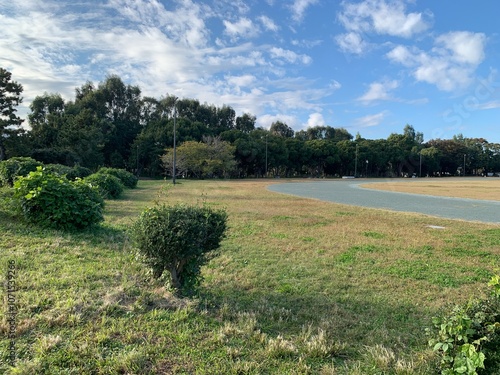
(366, 172)
(464, 163)
(266, 155)
(420, 175)
(356, 162)
(175, 146)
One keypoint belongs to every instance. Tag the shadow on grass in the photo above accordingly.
(347, 318)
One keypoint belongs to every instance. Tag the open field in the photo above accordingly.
(484, 188)
(299, 286)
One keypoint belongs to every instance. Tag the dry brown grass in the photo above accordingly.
(487, 188)
(289, 230)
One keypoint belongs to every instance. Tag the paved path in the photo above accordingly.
(349, 192)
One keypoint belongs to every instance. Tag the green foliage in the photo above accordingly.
(127, 178)
(71, 173)
(468, 339)
(109, 187)
(177, 239)
(59, 169)
(15, 167)
(211, 158)
(53, 201)
(10, 98)
(78, 172)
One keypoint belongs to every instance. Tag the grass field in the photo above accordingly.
(298, 287)
(485, 188)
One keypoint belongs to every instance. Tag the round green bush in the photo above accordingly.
(59, 169)
(177, 239)
(15, 167)
(50, 200)
(109, 187)
(78, 172)
(127, 178)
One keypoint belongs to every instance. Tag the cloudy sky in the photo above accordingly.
(369, 66)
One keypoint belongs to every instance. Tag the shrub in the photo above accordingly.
(53, 201)
(78, 172)
(59, 169)
(178, 239)
(468, 338)
(109, 187)
(127, 178)
(15, 167)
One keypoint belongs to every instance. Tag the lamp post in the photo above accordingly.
(420, 174)
(175, 147)
(464, 163)
(266, 155)
(356, 162)
(366, 172)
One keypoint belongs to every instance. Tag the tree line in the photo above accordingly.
(111, 124)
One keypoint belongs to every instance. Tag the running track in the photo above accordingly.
(349, 192)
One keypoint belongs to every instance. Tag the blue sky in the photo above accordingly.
(369, 66)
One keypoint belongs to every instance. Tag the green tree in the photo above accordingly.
(10, 98)
(210, 158)
(452, 154)
(431, 157)
(281, 129)
(245, 123)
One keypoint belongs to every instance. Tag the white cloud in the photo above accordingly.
(450, 65)
(465, 47)
(370, 120)
(489, 105)
(268, 23)
(351, 43)
(299, 7)
(289, 56)
(266, 121)
(243, 28)
(382, 17)
(379, 91)
(55, 46)
(306, 43)
(315, 119)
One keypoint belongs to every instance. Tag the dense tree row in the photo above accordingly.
(113, 125)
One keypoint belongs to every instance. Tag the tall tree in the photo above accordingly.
(245, 123)
(281, 129)
(10, 98)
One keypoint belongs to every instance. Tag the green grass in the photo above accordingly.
(298, 287)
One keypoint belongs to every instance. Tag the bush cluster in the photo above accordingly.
(16, 167)
(71, 173)
(58, 196)
(50, 200)
(178, 239)
(127, 178)
(109, 186)
(468, 338)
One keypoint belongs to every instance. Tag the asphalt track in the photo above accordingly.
(350, 193)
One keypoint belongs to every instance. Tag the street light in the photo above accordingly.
(356, 162)
(464, 163)
(266, 155)
(420, 163)
(175, 147)
(366, 173)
